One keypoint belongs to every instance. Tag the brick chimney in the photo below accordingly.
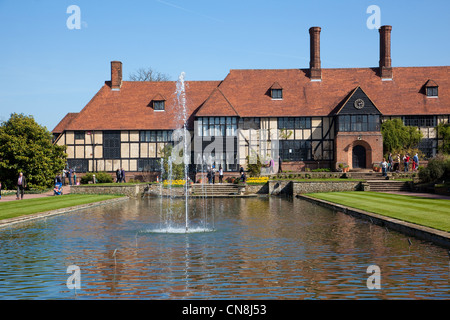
(385, 52)
(314, 63)
(116, 75)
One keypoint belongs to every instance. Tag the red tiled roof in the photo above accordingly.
(276, 85)
(128, 108)
(246, 91)
(159, 97)
(431, 83)
(62, 125)
(217, 105)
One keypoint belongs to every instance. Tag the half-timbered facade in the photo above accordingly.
(306, 117)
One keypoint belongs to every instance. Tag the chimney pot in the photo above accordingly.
(116, 75)
(314, 63)
(385, 52)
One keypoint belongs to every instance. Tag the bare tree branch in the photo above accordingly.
(148, 74)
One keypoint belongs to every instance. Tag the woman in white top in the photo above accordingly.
(220, 174)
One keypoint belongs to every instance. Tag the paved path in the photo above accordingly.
(12, 197)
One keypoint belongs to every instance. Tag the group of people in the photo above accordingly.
(120, 175)
(391, 166)
(69, 174)
(211, 175)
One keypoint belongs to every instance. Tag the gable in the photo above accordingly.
(217, 105)
(358, 103)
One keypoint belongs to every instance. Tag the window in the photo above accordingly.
(277, 93)
(420, 121)
(216, 126)
(156, 136)
(158, 105)
(111, 144)
(250, 123)
(79, 165)
(427, 146)
(432, 91)
(295, 150)
(79, 135)
(359, 123)
(152, 164)
(294, 123)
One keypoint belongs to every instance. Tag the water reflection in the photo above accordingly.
(261, 248)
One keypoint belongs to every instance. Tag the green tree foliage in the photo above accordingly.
(177, 169)
(443, 131)
(398, 138)
(100, 177)
(26, 146)
(437, 170)
(254, 164)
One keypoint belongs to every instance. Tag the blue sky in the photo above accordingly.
(48, 70)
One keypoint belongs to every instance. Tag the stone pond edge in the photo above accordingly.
(438, 237)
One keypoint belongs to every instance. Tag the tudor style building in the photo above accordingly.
(317, 117)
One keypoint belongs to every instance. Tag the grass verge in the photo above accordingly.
(12, 209)
(433, 213)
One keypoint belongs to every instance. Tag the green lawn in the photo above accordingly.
(433, 213)
(11, 209)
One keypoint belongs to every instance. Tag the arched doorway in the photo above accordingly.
(359, 157)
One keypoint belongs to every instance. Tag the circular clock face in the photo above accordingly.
(359, 104)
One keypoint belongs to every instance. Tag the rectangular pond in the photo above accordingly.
(251, 248)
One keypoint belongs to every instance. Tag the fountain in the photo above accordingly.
(169, 217)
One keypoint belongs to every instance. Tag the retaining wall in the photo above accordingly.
(132, 191)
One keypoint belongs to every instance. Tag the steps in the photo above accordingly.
(214, 190)
(388, 185)
(378, 183)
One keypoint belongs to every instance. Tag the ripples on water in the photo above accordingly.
(266, 248)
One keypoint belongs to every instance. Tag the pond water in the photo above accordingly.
(256, 248)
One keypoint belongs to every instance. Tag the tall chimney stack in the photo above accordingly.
(116, 75)
(385, 52)
(314, 63)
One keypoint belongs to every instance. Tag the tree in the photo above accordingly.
(177, 169)
(398, 138)
(443, 132)
(26, 146)
(148, 74)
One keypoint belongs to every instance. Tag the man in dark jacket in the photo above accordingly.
(21, 185)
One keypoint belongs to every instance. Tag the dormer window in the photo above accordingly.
(276, 91)
(431, 89)
(159, 105)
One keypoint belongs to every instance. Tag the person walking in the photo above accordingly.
(415, 162)
(21, 185)
(70, 176)
(406, 160)
(391, 162)
(384, 166)
(220, 174)
(122, 175)
(209, 175)
(279, 164)
(118, 173)
(398, 163)
(213, 174)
